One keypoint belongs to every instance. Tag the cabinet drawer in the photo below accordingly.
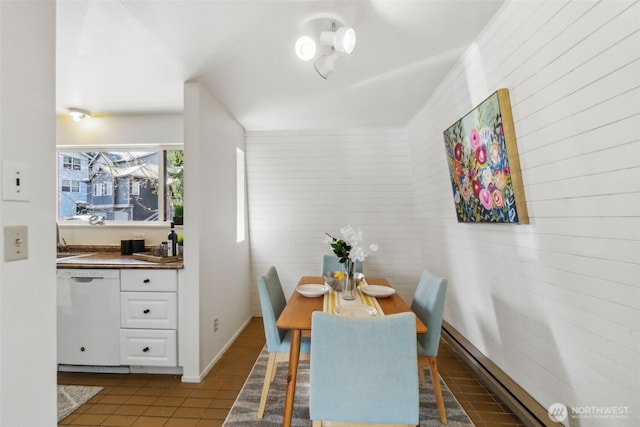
(148, 347)
(154, 310)
(149, 280)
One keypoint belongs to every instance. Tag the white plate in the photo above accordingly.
(355, 310)
(378, 291)
(312, 290)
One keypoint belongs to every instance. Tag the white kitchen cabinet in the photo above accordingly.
(141, 280)
(149, 310)
(148, 347)
(148, 317)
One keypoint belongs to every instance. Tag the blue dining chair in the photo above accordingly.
(272, 302)
(363, 370)
(428, 305)
(332, 263)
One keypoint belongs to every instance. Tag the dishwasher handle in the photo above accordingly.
(85, 279)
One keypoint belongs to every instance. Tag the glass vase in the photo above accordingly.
(349, 281)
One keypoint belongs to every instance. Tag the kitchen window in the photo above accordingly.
(120, 185)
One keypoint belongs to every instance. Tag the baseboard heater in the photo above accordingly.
(525, 407)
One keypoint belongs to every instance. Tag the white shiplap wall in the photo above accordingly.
(302, 184)
(556, 303)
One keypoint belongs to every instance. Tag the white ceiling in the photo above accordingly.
(126, 56)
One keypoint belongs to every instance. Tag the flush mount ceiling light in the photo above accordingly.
(78, 114)
(324, 39)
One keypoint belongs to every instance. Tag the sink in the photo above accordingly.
(61, 255)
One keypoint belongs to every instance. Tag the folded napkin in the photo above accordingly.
(333, 298)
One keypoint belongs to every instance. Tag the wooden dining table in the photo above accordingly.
(296, 317)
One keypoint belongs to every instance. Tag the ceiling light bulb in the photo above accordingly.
(305, 48)
(345, 39)
(78, 114)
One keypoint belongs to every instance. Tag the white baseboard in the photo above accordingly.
(167, 370)
(94, 369)
(217, 357)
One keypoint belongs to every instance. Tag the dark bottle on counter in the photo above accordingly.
(173, 241)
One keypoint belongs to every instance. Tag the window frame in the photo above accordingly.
(162, 202)
(73, 185)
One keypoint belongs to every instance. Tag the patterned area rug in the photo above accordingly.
(71, 397)
(244, 412)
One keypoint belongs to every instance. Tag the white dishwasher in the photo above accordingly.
(89, 317)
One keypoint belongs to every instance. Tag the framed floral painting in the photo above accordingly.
(484, 165)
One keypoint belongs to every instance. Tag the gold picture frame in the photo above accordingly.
(484, 165)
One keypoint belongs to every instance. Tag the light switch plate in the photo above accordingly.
(15, 180)
(16, 242)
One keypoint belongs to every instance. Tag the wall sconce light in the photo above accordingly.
(340, 39)
(78, 114)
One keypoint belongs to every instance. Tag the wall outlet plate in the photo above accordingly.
(16, 242)
(15, 181)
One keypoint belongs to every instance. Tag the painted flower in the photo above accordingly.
(501, 180)
(456, 197)
(466, 190)
(457, 151)
(474, 139)
(498, 199)
(485, 199)
(485, 135)
(487, 177)
(477, 187)
(481, 154)
(494, 154)
(457, 168)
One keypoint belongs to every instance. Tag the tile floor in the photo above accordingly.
(141, 400)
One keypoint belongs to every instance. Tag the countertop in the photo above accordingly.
(107, 257)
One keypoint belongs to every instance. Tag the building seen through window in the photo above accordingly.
(120, 185)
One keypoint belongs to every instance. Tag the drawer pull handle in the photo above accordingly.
(82, 348)
(146, 311)
(146, 281)
(145, 350)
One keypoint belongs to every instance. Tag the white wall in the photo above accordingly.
(121, 129)
(302, 184)
(218, 276)
(28, 287)
(556, 303)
